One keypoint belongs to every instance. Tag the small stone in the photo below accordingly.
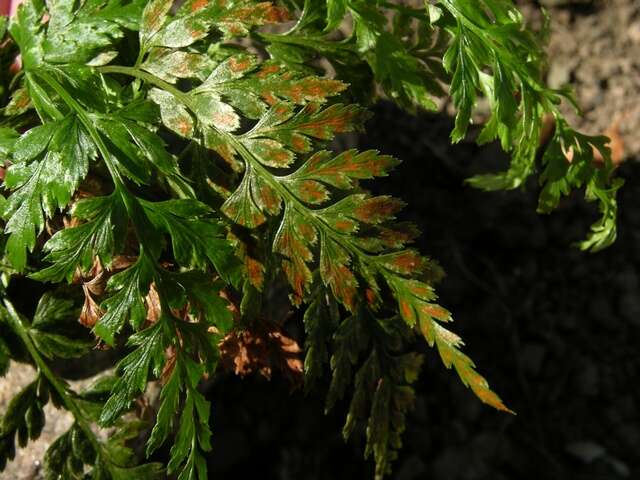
(559, 74)
(633, 32)
(587, 452)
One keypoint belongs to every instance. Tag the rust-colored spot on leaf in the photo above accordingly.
(372, 297)
(398, 236)
(295, 93)
(311, 191)
(267, 70)
(197, 5)
(334, 119)
(291, 245)
(239, 65)
(255, 219)
(280, 157)
(185, 126)
(197, 33)
(307, 231)
(345, 286)
(406, 262)
(343, 225)
(490, 398)
(255, 272)
(225, 120)
(22, 101)
(426, 328)
(315, 89)
(281, 110)
(268, 200)
(299, 143)
(269, 98)
(154, 15)
(420, 290)
(406, 310)
(298, 275)
(227, 153)
(244, 14)
(436, 311)
(378, 209)
(235, 29)
(346, 289)
(276, 14)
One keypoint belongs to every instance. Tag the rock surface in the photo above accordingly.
(27, 464)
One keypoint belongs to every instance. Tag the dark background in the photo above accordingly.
(555, 330)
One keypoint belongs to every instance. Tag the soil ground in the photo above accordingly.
(556, 331)
(595, 47)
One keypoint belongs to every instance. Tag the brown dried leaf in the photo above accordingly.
(94, 283)
(91, 311)
(169, 364)
(262, 350)
(152, 301)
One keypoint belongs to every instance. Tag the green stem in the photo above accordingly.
(147, 77)
(47, 106)
(88, 124)
(22, 330)
(141, 54)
